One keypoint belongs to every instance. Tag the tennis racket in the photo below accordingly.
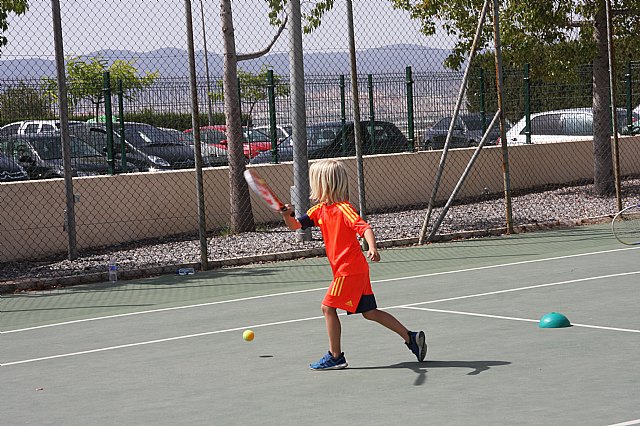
(626, 225)
(262, 189)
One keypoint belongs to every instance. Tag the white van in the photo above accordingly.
(30, 127)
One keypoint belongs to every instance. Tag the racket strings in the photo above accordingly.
(626, 226)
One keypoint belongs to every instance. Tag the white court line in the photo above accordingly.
(510, 290)
(150, 342)
(629, 423)
(522, 262)
(409, 306)
(175, 308)
(474, 314)
(433, 274)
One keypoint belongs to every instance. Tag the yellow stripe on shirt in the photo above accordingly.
(348, 211)
(313, 209)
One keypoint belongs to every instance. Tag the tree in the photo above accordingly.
(19, 7)
(253, 88)
(559, 35)
(85, 79)
(241, 213)
(24, 101)
(311, 19)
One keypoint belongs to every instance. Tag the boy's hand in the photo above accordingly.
(288, 215)
(373, 255)
(286, 210)
(372, 250)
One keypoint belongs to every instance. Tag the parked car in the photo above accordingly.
(213, 154)
(175, 132)
(467, 132)
(165, 149)
(253, 134)
(332, 139)
(41, 156)
(96, 135)
(282, 132)
(562, 126)
(31, 127)
(214, 143)
(11, 170)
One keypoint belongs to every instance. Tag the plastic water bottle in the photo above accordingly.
(113, 271)
(186, 271)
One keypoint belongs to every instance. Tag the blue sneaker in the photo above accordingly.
(328, 362)
(418, 344)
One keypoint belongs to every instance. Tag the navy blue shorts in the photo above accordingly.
(367, 303)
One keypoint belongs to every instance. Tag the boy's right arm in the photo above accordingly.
(289, 218)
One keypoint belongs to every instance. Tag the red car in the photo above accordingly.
(214, 138)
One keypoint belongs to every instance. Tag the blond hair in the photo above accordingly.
(329, 181)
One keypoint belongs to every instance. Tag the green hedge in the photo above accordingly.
(172, 120)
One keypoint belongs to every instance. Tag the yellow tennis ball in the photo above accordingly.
(248, 335)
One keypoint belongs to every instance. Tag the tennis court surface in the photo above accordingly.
(169, 350)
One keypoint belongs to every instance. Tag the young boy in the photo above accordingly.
(351, 286)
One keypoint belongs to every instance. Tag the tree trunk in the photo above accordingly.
(604, 183)
(241, 213)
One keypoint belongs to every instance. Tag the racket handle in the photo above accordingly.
(284, 209)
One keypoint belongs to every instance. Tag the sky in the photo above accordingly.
(146, 25)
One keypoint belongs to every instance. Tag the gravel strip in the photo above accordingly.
(563, 206)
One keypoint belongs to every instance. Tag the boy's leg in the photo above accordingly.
(334, 359)
(389, 321)
(334, 329)
(415, 341)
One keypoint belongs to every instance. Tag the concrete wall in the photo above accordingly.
(115, 209)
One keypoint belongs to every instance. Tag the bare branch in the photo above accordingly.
(247, 56)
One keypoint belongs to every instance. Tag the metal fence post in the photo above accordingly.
(108, 117)
(271, 93)
(527, 104)
(240, 103)
(343, 114)
(503, 136)
(372, 113)
(612, 101)
(300, 190)
(206, 66)
(123, 145)
(195, 123)
(410, 129)
(483, 112)
(629, 92)
(357, 127)
(69, 212)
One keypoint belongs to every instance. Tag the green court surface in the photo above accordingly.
(169, 350)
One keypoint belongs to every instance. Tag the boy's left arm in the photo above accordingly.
(363, 229)
(370, 238)
(289, 218)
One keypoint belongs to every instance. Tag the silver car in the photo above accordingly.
(563, 125)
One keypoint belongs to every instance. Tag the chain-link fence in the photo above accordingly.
(133, 175)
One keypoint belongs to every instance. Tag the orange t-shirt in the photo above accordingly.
(340, 225)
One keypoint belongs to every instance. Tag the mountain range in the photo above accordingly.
(173, 62)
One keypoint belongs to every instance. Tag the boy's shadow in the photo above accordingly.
(421, 368)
